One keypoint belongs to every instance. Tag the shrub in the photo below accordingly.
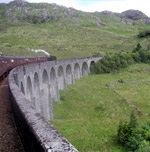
(120, 81)
(133, 137)
(114, 61)
(129, 135)
(100, 106)
(123, 132)
(125, 129)
(133, 121)
(144, 34)
(134, 142)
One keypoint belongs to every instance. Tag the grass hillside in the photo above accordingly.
(88, 114)
(65, 32)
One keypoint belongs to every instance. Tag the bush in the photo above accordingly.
(100, 106)
(113, 62)
(123, 132)
(120, 81)
(133, 137)
(144, 34)
(125, 129)
(130, 136)
(133, 121)
(134, 142)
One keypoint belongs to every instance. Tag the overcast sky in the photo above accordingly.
(100, 5)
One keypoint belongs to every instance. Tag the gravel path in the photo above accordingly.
(9, 140)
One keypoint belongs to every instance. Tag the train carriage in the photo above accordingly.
(9, 62)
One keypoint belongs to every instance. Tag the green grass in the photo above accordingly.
(138, 95)
(67, 40)
(73, 34)
(89, 113)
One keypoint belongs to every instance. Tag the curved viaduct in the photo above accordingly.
(34, 88)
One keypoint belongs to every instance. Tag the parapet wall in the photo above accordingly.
(33, 89)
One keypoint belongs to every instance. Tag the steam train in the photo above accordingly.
(9, 62)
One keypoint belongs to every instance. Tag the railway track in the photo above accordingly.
(9, 139)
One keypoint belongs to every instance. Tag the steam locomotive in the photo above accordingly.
(9, 62)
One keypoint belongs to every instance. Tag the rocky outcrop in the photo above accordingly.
(18, 3)
(128, 17)
(42, 12)
(133, 15)
(108, 13)
(36, 12)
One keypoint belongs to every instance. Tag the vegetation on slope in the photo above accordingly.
(67, 41)
(66, 32)
(144, 34)
(113, 62)
(133, 137)
(88, 114)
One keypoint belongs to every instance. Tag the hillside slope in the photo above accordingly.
(66, 32)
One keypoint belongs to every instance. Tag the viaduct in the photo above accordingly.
(33, 90)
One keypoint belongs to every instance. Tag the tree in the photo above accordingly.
(123, 132)
(133, 121)
(127, 130)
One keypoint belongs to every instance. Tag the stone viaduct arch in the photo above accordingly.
(39, 86)
(46, 102)
(85, 70)
(77, 74)
(61, 80)
(69, 78)
(29, 89)
(91, 65)
(44, 80)
(53, 84)
(37, 92)
(22, 88)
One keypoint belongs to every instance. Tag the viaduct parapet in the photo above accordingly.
(33, 89)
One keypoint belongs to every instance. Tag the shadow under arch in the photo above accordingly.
(61, 79)
(53, 83)
(37, 92)
(84, 69)
(22, 88)
(77, 74)
(92, 65)
(29, 89)
(45, 109)
(69, 79)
